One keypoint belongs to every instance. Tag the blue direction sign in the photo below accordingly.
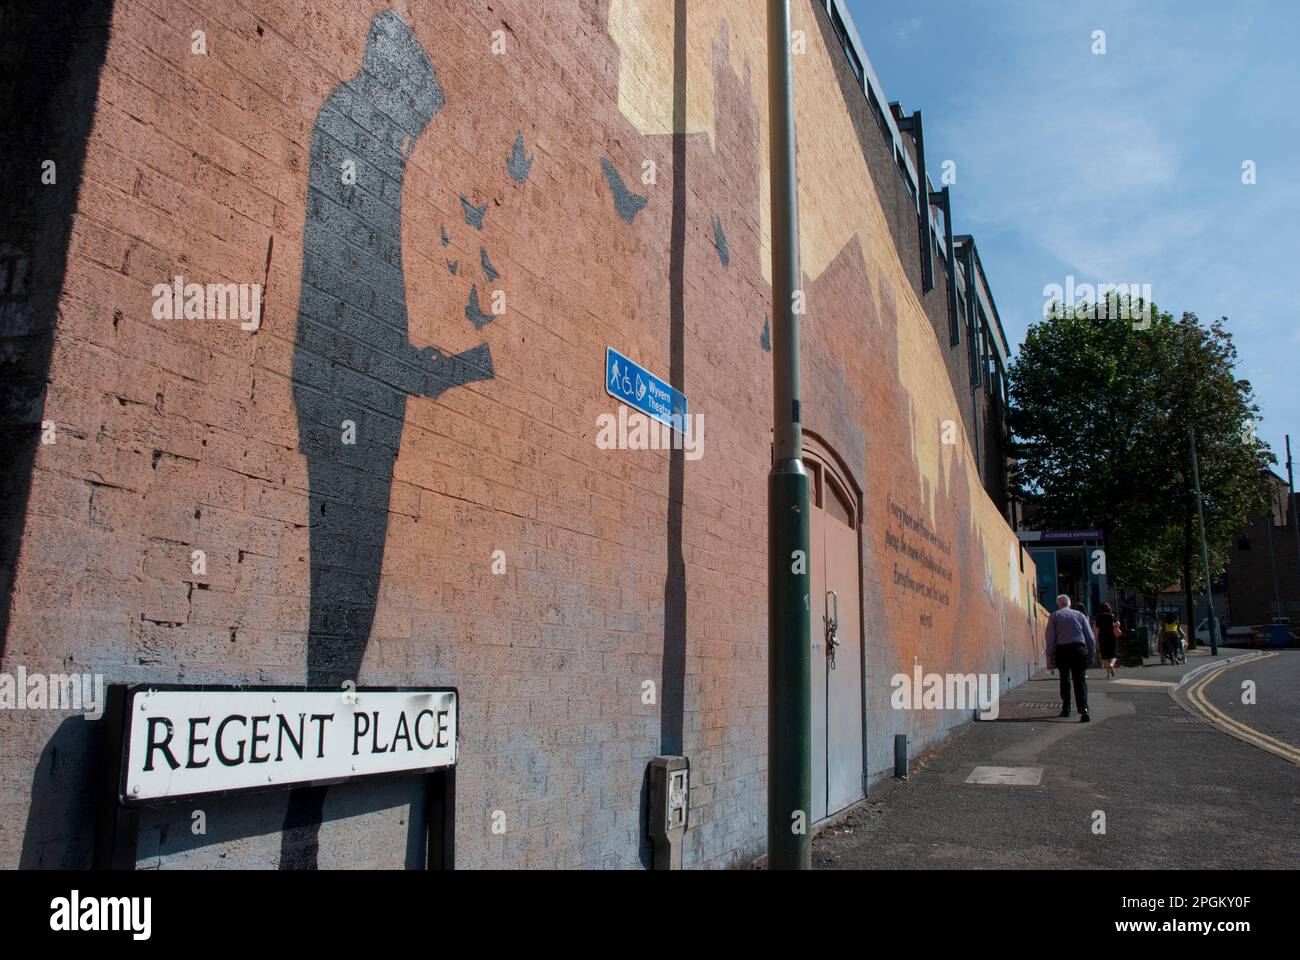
(642, 390)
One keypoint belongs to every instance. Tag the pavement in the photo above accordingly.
(1164, 777)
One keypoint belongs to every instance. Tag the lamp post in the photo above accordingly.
(1272, 553)
(1291, 506)
(1205, 553)
(789, 585)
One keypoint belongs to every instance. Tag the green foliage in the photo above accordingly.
(1100, 413)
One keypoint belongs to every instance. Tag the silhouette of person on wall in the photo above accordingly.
(353, 363)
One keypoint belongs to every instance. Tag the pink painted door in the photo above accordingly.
(837, 670)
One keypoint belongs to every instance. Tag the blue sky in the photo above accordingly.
(1121, 168)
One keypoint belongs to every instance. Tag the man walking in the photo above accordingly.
(1071, 646)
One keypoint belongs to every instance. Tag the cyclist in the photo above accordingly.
(1171, 640)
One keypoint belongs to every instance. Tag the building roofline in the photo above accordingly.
(986, 292)
(923, 184)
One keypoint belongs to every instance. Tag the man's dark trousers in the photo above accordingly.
(1072, 661)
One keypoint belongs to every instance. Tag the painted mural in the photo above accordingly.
(945, 583)
(605, 165)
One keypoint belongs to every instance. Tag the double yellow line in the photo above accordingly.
(1196, 696)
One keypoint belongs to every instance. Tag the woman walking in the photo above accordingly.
(1107, 636)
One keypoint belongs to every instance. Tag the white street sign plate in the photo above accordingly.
(181, 743)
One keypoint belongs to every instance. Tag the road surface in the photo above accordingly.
(1170, 788)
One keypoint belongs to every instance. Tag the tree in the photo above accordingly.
(1100, 412)
(1203, 393)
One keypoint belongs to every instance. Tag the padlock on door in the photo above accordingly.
(832, 621)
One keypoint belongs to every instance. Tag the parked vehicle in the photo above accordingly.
(1252, 635)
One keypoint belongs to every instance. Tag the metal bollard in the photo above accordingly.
(900, 756)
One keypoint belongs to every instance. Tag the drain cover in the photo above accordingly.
(1007, 776)
(1041, 705)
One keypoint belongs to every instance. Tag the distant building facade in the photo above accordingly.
(1263, 574)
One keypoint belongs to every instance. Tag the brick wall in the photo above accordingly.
(1259, 578)
(475, 430)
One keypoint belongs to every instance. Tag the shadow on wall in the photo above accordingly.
(64, 789)
(243, 831)
(354, 365)
(62, 808)
(673, 678)
(51, 56)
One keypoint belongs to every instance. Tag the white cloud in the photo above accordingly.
(906, 31)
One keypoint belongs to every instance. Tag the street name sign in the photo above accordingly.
(193, 741)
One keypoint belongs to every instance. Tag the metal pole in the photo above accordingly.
(789, 610)
(1205, 552)
(1291, 505)
(1272, 555)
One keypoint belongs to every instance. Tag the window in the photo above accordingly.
(842, 32)
(954, 325)
(988, 358)
(902, 168)
(978, 323)
(874, 101)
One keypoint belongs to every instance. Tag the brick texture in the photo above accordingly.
(180, 435)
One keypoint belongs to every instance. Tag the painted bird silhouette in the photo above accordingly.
(473, 214)
(627, 203)
(720, 242)
(518, 165)
(474, 313)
